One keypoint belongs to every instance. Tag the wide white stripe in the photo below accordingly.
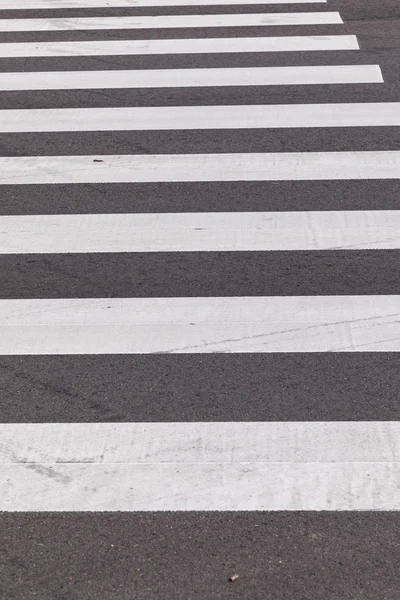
(281, 166)
(51, 4)
(176, 487)
(200, 325)
(179, 46)
(160, 78)
(200, 466)
(192, 232)
(201, 117)
(161, 22)
(222, 442)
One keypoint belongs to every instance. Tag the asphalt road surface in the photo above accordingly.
(187, 392)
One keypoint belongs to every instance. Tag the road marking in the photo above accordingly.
(221, 442)
(200, 232)
(201, 117)
(136, 168)
(200, 466)
(52, 4)
(174, 21)
(179, 46)
(161, 78)
(200, 325)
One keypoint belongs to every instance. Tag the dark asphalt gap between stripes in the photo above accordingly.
(276, 555)
(200, 387)
(200, 274)
(354, 11)
(171, 33)
(204, 141)
(141, 11)
(200, 197)
(194, 96)
(199, 61)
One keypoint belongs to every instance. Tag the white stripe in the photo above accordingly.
(201, 117)
(160, 22)
(200, 466)
(193, 232)
(52, 4)
(200, 325)
(179, 46)
(160, 78)
(281, 166)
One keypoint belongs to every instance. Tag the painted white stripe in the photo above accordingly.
(160, 78)
(200, 466)
(201, 117)
(52, 4)
(179, 46)
(200, 325)
(281, 166)
(178, 21)
(192, 232)
(226, 442)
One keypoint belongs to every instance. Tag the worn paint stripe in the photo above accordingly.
(53, 4)
(200, 466)
(196, 232)
(213, 442)
(179, 46)
(200, 325)
(171, 21)
(377, 114)
(161, 78)
(281, 166)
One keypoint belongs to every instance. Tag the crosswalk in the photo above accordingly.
(187, 326)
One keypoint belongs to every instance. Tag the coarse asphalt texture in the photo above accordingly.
(191, 556)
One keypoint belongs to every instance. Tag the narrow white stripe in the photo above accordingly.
(200, 466)
(51, 4)
(201, 117)
(160, 78)
(179, 46)
(160, 22)
(192, 232)
(200, 325)
(281, 166)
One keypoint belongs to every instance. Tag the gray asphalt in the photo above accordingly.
(165, 556)
(244, 387)
(192, 555)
